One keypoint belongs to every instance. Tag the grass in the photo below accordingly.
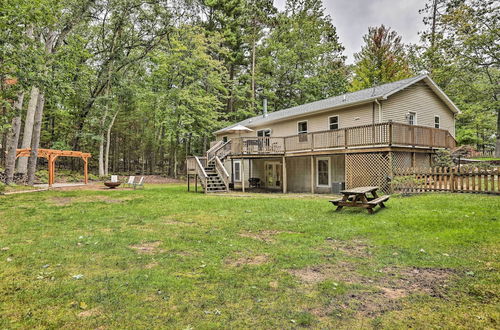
(486, 159)
(165, 258)
(17, 187)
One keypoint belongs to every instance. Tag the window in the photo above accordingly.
(412, 118)
(237, 170)
(224, 139)
(302, 127)
(436, 122)
(323, 172)
(264, 133)
(334, 122)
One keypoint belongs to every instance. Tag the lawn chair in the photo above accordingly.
(130, 181)
(140, 183)
(114, 178)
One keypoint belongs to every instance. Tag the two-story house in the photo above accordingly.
(355, 139)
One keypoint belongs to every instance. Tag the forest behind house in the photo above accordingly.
(142, 84)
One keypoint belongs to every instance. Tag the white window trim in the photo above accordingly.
(416, 116)
(302, 121)
(338, 122)
(264, 129)
(437, 116)
(234, 172)
(329, 171)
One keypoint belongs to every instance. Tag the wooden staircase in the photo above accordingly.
(214, 182)
(212, 174)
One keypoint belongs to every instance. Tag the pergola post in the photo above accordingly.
(86, 170)
(49, 163)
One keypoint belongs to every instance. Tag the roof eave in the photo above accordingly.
(340, 106)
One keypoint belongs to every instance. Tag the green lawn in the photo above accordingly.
(165, 258)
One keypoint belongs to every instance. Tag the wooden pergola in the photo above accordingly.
(51, 155)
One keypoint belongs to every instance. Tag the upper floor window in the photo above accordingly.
(224, 139)
(264, 133)
(437, 122)
(412, 118)
(302, 127)
(334, 122)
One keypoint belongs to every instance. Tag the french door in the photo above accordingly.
(274, 172)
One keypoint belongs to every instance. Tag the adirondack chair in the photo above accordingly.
(114, 178)
(140, 183)
(130, 181)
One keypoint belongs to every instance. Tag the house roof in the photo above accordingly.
(380, 92)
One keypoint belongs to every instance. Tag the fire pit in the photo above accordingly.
(111, 185)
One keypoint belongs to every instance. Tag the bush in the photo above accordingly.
(2, 187)
(42, 176)
(442, 158)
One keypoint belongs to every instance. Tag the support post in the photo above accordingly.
(188, 180)
(391, 171)
(50, 170)
(413, 159)
(86, 170)
(312, 174)
(196, 182)
(232, 172)
(242, 175)
(285, 183)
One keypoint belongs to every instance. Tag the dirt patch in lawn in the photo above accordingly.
(267, 236)
(248, 260)
(90, 312)
(378, 294)
(147, 248)
(64, 201)
(151, 265)
(356, 248)
(174, 221)
(342, 271)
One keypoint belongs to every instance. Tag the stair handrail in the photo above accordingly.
(211, 152)
(222, 148)
(221, 170)
(201, 173)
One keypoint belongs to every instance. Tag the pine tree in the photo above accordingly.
(381, 60)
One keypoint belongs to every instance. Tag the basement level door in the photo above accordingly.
(273, 174)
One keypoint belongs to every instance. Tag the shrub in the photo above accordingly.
(2, 187)
(442, 158)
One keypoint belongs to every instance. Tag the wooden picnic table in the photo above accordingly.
(358, 197)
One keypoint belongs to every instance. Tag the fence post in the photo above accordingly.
(452, 179)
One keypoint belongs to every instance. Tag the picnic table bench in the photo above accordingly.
(358, 197)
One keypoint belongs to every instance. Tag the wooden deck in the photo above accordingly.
(372, 136)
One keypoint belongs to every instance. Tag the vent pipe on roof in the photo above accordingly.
(264, 108)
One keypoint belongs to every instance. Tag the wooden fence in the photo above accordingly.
(464, 180)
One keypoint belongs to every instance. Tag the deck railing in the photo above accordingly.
(383, 134)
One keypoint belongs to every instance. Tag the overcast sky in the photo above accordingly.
(353, 17)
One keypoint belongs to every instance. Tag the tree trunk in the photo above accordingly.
(108, 141)
(13, 140)
(22, 163)
(497, 145)
(35, 139)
